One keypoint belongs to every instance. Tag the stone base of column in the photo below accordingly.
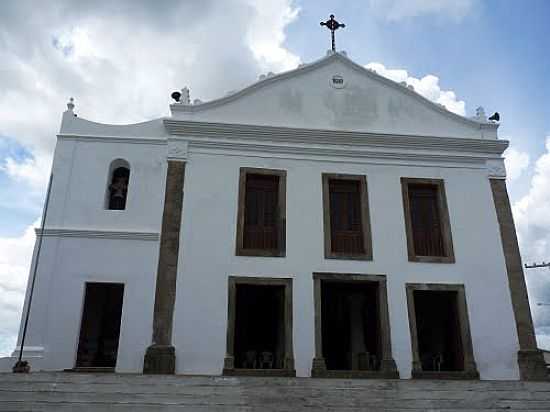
(318, 368)
(160, 360)
(389, 368)
(532, 366)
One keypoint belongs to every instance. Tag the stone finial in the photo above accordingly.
(343, 53)
(480, 114)
(197, 101)
(70, 105)
(185, 96)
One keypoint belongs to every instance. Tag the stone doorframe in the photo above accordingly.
(229, 361)
(388, 368)
(470, 368)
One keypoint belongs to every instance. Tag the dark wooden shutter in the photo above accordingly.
(346, 227)
(426, 220)
(261, 221)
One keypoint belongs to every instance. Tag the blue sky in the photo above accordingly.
(121, 60)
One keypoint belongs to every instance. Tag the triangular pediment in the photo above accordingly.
(335, 93)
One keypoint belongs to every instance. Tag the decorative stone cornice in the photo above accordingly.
(113, 139)
(102, 234)
(335, 138)
(360, 156)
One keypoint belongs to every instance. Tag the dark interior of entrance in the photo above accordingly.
(260, 327)
(438, 329)
(100, 327)
(350, 325)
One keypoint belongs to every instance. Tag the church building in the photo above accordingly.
(321, 222)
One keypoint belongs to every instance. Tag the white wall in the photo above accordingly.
(81, 179)
(67, 264)
(77, 202)
(207, 254)
(207, 258)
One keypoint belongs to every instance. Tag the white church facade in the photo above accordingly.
(323, 222)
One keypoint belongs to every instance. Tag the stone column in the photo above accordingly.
(160, 357)
(530, 358)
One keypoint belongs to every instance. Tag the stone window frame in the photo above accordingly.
(446, 232)
(229, 360)
(365, 217)
(281, 251)
(470, 368)
(388, 368)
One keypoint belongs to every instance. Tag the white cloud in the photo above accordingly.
(396, 10)
(14, 269)
(532, 217)
(516, 163)
(266, 34)
(33, 171)
(532, 212)
(427, 86)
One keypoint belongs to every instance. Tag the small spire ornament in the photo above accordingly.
(480, 114)
(185, 96)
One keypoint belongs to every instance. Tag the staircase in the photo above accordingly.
(111, 392)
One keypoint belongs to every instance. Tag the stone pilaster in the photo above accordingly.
(530, 358)
(160, 357)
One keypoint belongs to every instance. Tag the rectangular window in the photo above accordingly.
(427, 221)
(261, 214)
(346, 217)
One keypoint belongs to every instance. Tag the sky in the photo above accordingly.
(121, 60)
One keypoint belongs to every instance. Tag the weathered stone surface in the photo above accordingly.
(530, 359)
(48, 392)
(160, 357)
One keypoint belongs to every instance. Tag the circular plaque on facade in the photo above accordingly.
(337, 81)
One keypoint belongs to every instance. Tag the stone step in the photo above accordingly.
(190, 380)
(402, 393)
(100, 392)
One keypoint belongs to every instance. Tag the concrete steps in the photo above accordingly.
(111, 392)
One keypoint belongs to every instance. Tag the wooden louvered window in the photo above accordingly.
(427, 221)
(347, 223)
(261, 219)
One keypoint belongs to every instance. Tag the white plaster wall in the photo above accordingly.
(81, 179)
(66, 264)
(77, 201)
(207, 253)
(207, 258)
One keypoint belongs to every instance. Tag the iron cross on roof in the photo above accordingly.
(332, 25)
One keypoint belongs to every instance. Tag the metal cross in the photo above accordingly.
(332, 25)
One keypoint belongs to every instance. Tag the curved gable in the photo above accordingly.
(360, 100)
